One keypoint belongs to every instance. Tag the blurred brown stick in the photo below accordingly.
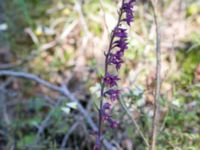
(158, 82)
(70, 131)
(45, 122)
(134, 121)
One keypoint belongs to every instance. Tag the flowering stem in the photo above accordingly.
(106, 71)
(113, 57)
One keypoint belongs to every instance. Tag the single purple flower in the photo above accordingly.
(120, 32)
(128, 9)
(119, 53)
(113, 123)
(106, 106)
(113, 94)
(121, 43)
(110, 79)
(116, 60)
(106, 116)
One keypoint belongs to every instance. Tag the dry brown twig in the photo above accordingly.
(134, 122)
(3, 97)
(104, 16)
(45, 122)
(69, 132)
(158, 81)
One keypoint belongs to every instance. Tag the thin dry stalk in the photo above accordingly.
(158, 82)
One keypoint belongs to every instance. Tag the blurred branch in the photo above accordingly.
(67, 30)
(3, 111)
(62, 90)
(32, 35)
(8, 66)
(158, 82)
(64, 141)
(45, 122)
(104, 16)
(3, 98)
(78, 8)
(134, 122)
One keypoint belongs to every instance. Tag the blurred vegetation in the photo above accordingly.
(63, 41)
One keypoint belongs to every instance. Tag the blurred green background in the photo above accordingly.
(63, 41)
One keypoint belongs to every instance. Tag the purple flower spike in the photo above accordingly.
(114, 58)
(113, 94)
(110, 80)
